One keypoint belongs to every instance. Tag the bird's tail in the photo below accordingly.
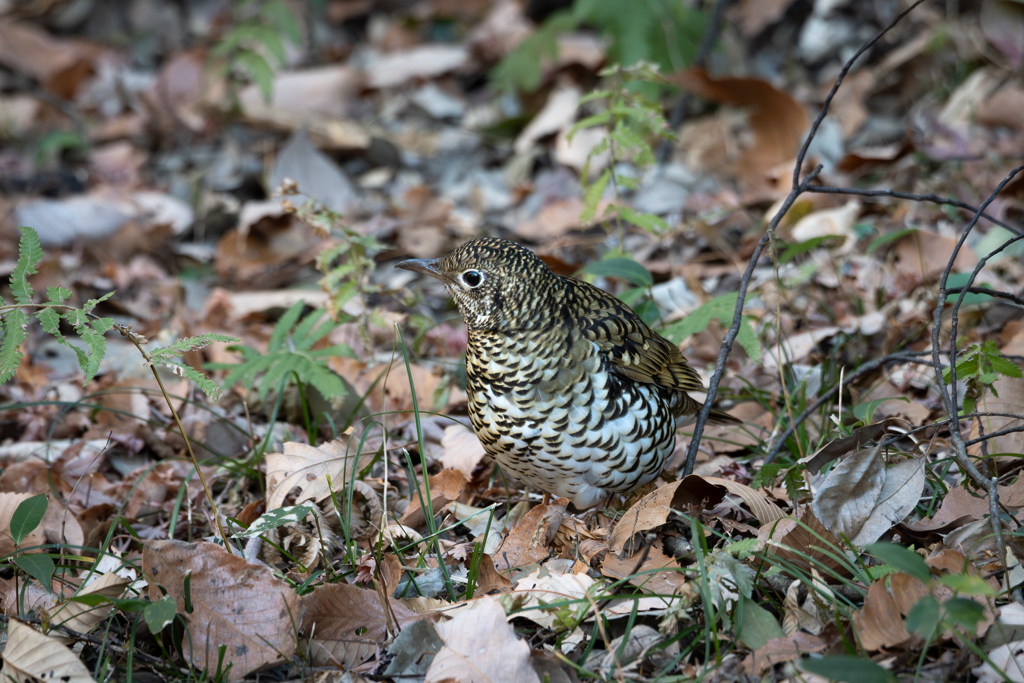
(686, 409)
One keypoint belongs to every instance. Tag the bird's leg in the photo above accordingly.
(545, 499)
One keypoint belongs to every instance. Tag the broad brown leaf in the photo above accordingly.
(236, 604)
(347, 623)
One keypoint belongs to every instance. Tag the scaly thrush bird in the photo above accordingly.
(568, 389)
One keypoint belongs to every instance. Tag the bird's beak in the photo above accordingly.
(427, 266)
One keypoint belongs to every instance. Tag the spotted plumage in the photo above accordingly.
(568, 389)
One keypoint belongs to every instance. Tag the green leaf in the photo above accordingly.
(747, 338)
(1004, 366)
(13, 326)
(766, 475)
(281, 17)
(39, 566)
(647, 221)
(865, 412)
(57, 295)
(593, 196)
(30, 253)
(205, 384)
(259, 70)
(720, 308)
(647, 311)
(274, 519)
(966, 584)
(891, 237)
(907, 561)
(27, 517)
(923, 617)
(848, 669)
(159, 614)
(92, 303)
(97, 349)
(183, 346)
(284, 326)
(794, 250)
(964, 612)
(758, 626)
(623, 268)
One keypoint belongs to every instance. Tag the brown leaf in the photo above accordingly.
(61, 65)
(765, 510)
(307, 468)
(236, 604)
(778, 121)
(778, 650)
(924, 255)
(653, 509)
(489, 579)
(462, 450)
(29, 653)
(445, 486)
(879, 624)
(481, 647)
(753, 16)
(346, 624)
(1010, 400)
(659, 574)
(83, 618)
(842, 445)
(791, 541)
(531, 538)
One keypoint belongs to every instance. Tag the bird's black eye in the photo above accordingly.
(472, 278)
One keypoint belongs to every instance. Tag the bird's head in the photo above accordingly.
(497, 284)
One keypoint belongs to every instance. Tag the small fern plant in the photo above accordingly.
(254, 36)
(290, 355)
(89, 327)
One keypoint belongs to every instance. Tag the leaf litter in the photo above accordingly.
(374, 540)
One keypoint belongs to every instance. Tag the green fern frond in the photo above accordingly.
(93, 303)
(207, 385)
(183, 346)
(13, 326)
(284, 326)
(30, 253)
(289, 352)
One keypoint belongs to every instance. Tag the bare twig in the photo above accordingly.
(799, 187)
(929, 198)
(865, 368)
(949, 401)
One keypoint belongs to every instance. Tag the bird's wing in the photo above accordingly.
(634, 349)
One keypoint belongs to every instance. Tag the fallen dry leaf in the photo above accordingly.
(445, 487)
(346, 624)
(878, 624)
(28, 653)
(789, 542)
(462, 449)
(659, 574)
(240, 605)
(778, 650)
(481, 647)
(530, 540)
(84, 618)
(777, 120)
(535, 591)
(653, 509)
(558, 114)
(307, 468)
(765, 510)
(423, 61)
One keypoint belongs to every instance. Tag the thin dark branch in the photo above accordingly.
(900, 357)
(799, 187)
(835, 88)
(930, 198)
(995, 293)
(949, 402)
(1001, 432)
